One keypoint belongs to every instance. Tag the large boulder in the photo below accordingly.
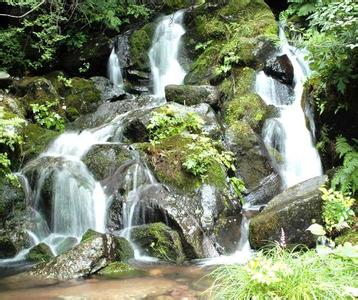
(280, 67)
(91, 255)
(292, 212)
(109, 91)
(192, 94)
(158, 240)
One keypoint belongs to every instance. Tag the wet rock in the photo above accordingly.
(119, 269)
(265, 48)
(40, 253)
(138, 89)
(85, 259)
(122, 49)
(7, 247)
(280, 67)
(109, 92)
(158, 240)
(268, 188)
(66, 244)
(192, 94)
(12, 196)
(292, 211)
(103, 160)
(5, 80)
(12, 105)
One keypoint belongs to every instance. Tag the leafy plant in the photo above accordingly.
(202, 153)
(238, 186)
(9, 137)
(47, 118)
(67, 82)
(167, 122)
(285, 274)
(203, 46)
(346, 177)
(229, 60)
(337, 212)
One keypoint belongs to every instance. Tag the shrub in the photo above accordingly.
(47, 118)
(283, 274)
(337, 212)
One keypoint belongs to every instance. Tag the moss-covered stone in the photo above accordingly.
(140, 42)
(118, 269)
(349, 236)
(124, 249)
(82, 96)
(90, 235)
(40, 253)
(36, 139)
(160, 241)
(12, 197)
(167, 160)
(104, 160)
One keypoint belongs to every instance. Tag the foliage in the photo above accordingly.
(167, 122)
(67, 82)
(229, 60)
(301, 8)
(9, 137)
(202, 153)
(46, 117)
(284, 274)
(33, 41)
(238, 186)
(346, 176)
(337, 212)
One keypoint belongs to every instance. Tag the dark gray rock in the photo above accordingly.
(109, 92)
(85, 259)
(192, 94)
(160, 241)
(280, 67)
(292, 211)
(5, 80)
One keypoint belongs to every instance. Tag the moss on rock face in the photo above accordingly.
(124, 249)
(90, 235)
(140, 42)
(40, 253)
(118, 269)
(160, 241)
(36, 139)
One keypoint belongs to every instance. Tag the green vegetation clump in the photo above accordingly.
(40, 253)
(47, 118)
(284, 274)
(118, 269)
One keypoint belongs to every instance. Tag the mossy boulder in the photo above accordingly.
(36, 140)
(104, 160)
(192, 94)
(40, 253)
(118, 269)
(292, 212)
(89, 235)
(12, 197)
(82, 96)
(91, 255)
(235, 27)
(66, 244)
(12, 105)
(158, 240)
(140, 42)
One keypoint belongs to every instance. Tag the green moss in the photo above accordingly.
(119, 269)
(40, 253)
(210, 27)
(90, 235)
(82, 97)
(124, 249)
(36, 140)
(140, 42)
(160, 241)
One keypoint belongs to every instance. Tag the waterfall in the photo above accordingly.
(114, 69)
(163, 54)
(287, 137)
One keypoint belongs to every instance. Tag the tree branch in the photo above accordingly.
(25, 14)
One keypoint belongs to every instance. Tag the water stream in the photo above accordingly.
(114, 69)
(287, 137)
(163, 54)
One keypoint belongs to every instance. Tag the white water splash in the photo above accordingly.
(114, 69)
(287, 137)
(163, 54)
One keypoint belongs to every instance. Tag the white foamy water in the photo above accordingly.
(287, 137)
(114, 69)
(163, 54)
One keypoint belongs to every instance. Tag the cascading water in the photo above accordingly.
(287, 137)
(163, 54)
(114, 69)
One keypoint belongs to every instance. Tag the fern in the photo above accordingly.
(346, 176)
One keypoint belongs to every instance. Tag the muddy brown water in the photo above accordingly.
(153, 282)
